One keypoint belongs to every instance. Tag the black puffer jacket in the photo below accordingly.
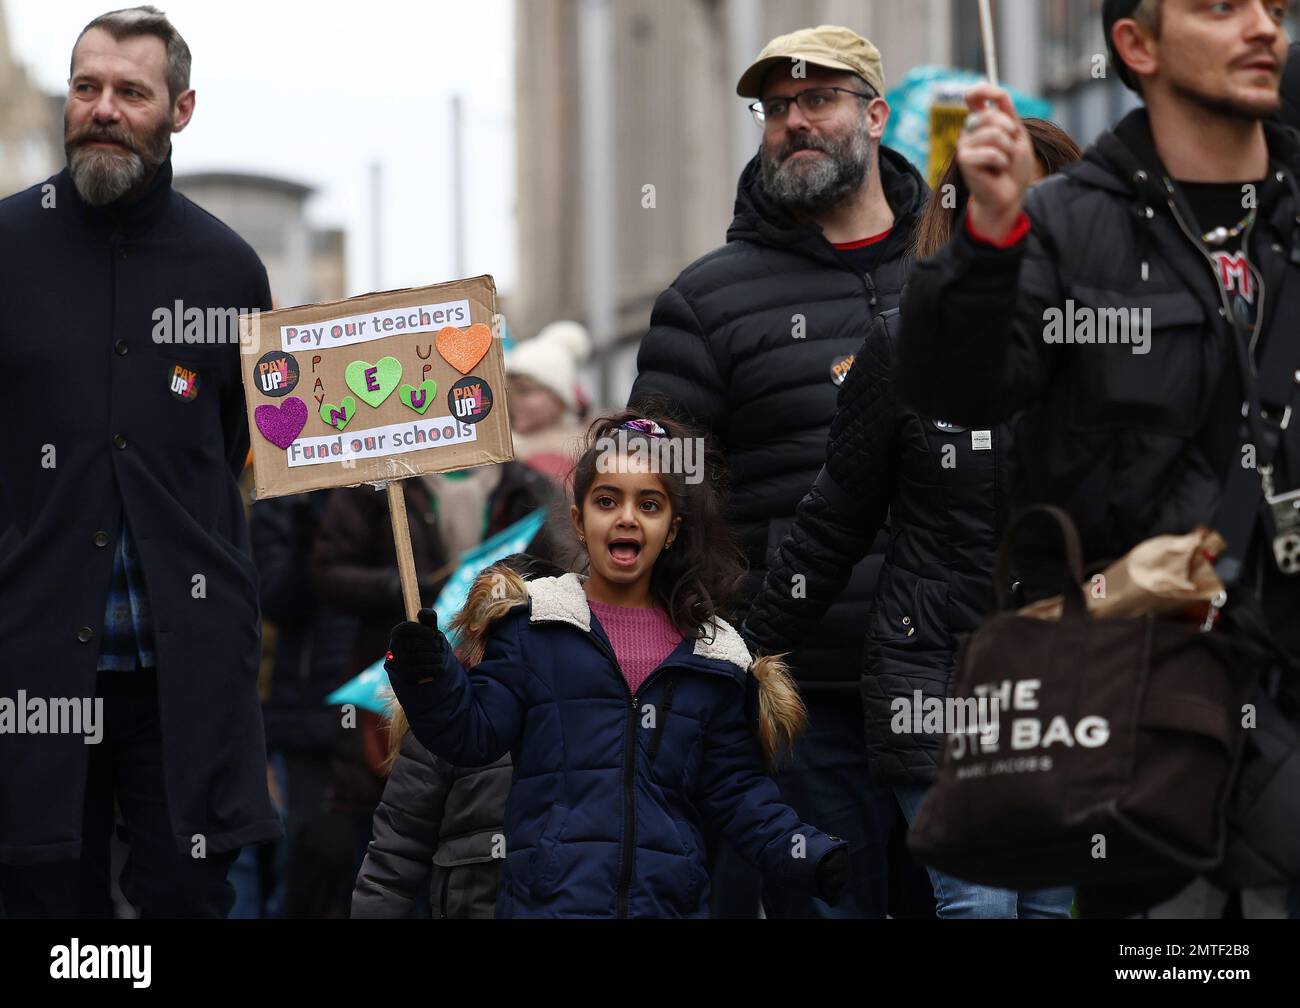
(743, 343)
(941, 487)
(437, 825)
(1130, 445)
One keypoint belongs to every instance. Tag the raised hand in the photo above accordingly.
(996, 160)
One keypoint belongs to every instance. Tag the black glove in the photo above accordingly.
(415, 650)
(833, 874)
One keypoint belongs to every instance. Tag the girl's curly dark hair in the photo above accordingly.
(700, 578)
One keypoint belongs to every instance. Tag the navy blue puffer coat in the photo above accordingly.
(612, 791)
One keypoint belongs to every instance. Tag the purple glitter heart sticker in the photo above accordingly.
(281, 425)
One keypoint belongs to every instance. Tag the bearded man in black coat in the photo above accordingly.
(128, 603)
(751, 343)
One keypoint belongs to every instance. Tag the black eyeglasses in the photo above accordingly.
(815, 103)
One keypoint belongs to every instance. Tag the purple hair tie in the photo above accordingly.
(645, 427)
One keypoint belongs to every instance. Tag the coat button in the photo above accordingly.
(121, 253)
(84, 634)
(101, 538)
(121, 347)
(119, 441)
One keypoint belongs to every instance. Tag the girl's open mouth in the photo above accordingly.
(624, 552)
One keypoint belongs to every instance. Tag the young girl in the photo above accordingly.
(634, 714)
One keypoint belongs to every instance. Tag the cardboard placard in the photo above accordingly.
(375, 388)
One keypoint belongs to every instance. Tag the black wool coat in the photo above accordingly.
(93, 434)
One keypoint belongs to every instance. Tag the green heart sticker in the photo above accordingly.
(339, 417)
(373, 383)
(419, 397)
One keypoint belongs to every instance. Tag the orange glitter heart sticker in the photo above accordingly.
(463, 348)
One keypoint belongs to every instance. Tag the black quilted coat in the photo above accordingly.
(941, 487)
(743, 343)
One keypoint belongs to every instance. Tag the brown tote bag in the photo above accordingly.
(1110, 754)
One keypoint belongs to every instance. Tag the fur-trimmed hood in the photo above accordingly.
(498, 590)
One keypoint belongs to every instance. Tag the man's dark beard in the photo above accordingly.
(103, 176)
(811, 188)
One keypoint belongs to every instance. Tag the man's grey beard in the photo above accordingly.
(104, 176)
(827, 181)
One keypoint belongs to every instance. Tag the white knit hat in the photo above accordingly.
(552, 357)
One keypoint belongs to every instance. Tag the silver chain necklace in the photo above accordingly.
(1220, 235)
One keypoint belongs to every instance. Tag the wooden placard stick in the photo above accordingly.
(402, 541)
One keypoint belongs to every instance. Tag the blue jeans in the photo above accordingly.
(258, 875)
(956, 898)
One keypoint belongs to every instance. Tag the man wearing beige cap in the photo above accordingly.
(751, 343)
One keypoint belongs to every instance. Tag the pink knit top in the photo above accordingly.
(642, 639)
